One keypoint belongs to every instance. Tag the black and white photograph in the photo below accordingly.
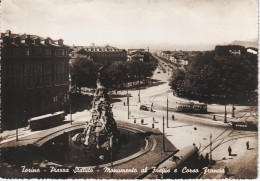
(129, 89)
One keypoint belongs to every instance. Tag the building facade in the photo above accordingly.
(35, 78)
(101, 55)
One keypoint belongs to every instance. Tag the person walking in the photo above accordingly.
(229, 151)
(247, 145)
(226, 171)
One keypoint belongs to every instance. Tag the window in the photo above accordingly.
(38, 74)
(29, 75)
(27, 52)
(38, 51)
(47, 74)
(47, 52)
(60, 53)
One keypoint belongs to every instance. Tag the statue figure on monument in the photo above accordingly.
(102, 126)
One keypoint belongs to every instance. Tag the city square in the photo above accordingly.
(106, 110)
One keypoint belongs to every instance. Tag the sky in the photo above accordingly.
(127, 23)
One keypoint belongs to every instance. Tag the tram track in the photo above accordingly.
(200, 151)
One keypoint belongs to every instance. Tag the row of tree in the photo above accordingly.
(214, 78)
(83, 71)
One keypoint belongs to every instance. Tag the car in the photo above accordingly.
(158, 72)
(144, 107)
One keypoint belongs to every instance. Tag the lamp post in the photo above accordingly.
(225, 116)
(70, 109)
(111, 154)
(163, 136)
(167, 114)
(16, 123)
(139, 95)
(210, 152)
(128, 107)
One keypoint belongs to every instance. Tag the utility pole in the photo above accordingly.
(127, 102)
(210, 152)
(163, 136)
(16, 124)
(167, 114)
(70, 111)
(111, 154)
(128, 105)
(225, 118)
(233, 111)
(139, 95)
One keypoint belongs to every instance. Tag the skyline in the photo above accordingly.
(139, 22)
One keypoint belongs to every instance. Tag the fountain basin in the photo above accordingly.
(60, 149)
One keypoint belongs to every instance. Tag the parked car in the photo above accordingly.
(158, 72)
(144, 107)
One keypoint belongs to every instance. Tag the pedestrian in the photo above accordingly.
(142, 121)
(124, 103)
(229, 151)
(153, 119)
(226, 170)
(173, 117)
(207, 159)
(135, 120)
(247, 145)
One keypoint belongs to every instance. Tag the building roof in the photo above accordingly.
(97, 49)
(15, 39)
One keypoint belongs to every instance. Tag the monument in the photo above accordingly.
(101, 130)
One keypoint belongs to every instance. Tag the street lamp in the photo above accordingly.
(70, 109)
(16, 123)
(139, 95)
(128, 106)
(163, 136)
(111, 153)
(210, 152)
(167, 114)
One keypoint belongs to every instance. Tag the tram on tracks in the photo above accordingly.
(183, 164)
(191, 107)
(46, 120)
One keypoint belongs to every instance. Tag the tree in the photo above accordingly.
(214, 78)
(115, 74)
(83, 73)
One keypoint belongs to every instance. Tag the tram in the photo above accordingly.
(46, 120)
(185, 158)
(191, 107)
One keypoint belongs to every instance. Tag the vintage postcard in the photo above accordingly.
(129, 89)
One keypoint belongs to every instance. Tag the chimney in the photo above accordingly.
(60, 42)
(6, 40)
(8, 33)
(28, 40)
(37, 41)
(47, 41)
(17, 40)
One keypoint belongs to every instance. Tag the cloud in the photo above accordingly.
(120, 21)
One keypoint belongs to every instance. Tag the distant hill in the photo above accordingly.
(253, 43)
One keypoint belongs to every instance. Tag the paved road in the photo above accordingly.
(190, 129)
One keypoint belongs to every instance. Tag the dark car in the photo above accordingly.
(143, 107)
(158, 72)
